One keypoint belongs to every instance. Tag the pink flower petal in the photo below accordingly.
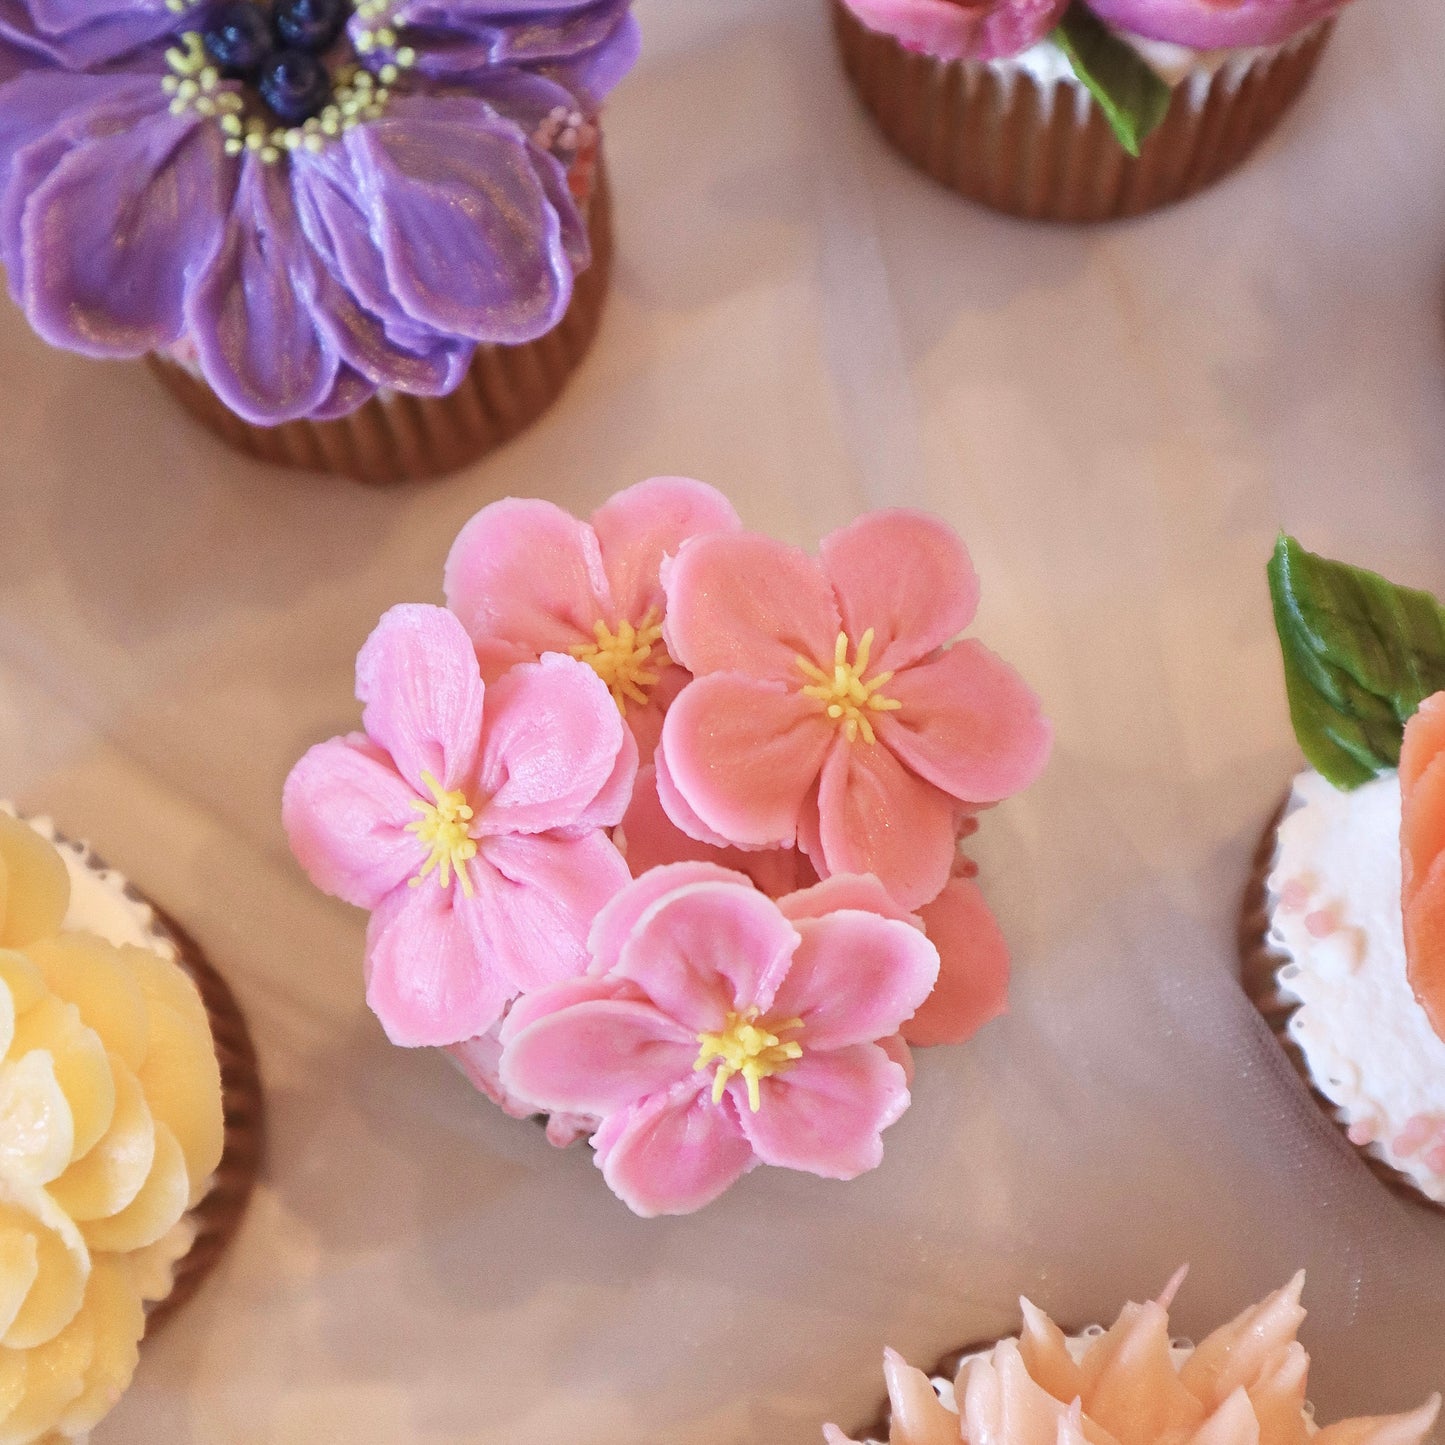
(645, 720)
(536, 898)
(654, 840)
(638, 527)
(825, 1114)
(425, 980)
(598, 1057)
(745, 603)
(616, 921)
(743, 755)
(672, 1153)
(969, 724)
(679, 812)
(417, 677)
(530, 1007)
(861, 892)
(606, 810)
(908, 576)
(709, 949)
(479, 1060)
(855, 978)
(899, 1052)
(550, 745)
(345, 810)
(973, 968)
(876, 817)
(529, 574)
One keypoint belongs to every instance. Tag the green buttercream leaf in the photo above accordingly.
(1131, 95)
(1360, 656)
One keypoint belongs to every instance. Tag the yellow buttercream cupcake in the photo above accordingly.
(111, 1131)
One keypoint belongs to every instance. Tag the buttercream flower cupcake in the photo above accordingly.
(1343, 926)
(129, 1130)
(367, 236)
(1243, 1385)
(624, 816)
(1080, 110)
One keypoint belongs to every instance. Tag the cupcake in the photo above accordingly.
(1243, 1385)
(1343, 925)
(1079, 110)
(658, 825)
(366, 237)
(130, 1116)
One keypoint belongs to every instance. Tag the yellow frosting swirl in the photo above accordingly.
(110, 1129)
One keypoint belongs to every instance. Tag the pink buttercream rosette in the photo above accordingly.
(1216, 24)
(720, 1007)
(963, 29)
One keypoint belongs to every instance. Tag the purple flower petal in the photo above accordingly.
(349, 392)
(471, 243)
(113, 234)
(115, 31)
(250, 311)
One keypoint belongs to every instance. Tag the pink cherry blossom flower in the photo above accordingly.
(470, 820)
(973, 958)
(718, 1030)
(827, 708)
(480, 1059)
(525, 578)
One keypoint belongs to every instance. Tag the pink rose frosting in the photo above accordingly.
(973, 958)
(469, 819)
(525, 578)
(1216, 24)
(718, 1030)
(963, 29)
(828, 708)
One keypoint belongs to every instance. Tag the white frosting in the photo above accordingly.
(1177, 65)
(1334, 904)
(100, 900)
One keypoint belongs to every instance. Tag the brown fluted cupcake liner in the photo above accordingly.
(400, 438)
(1046, 152)
(1260, 963)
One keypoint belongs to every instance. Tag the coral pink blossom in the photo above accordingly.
(479, 1060)
(963, 29)
(973, 959)
(827, 708)
(716, 1032)
(1216, 24)
(525, 578)
(470, 820)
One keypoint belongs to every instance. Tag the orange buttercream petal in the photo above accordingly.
(1424, 740)
(1046, 1353)
(918, 1416)
(1234, 1354)
(1130, 1385)
(1278, 1396)
(1233, 1423)
(1408, 1429)
(1425, 945)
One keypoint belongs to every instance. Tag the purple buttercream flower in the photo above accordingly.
(151, 201)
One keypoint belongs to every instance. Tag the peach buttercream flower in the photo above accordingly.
(469, 819)
(525, 578)
(1243, 1385)
(110, 1130)
(718, 1030)
(831, 706)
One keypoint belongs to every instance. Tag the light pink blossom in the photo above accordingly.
(973, 958)
(716, 1032)
(963, 29)
(1216, 24)
(470, 820)
(828, 709)
(525, 578)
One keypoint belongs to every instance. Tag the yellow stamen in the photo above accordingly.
(754, 1050)
(444, 826)
(845, 696)
(629, 660)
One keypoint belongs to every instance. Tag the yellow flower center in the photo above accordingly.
(628, 660)
(748, 1047)
(846, 697)
(445, 827)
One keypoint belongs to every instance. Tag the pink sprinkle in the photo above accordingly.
(1294, 896)
(1364, 1131)
(1416, 1133)
(1435, 1159)
(1321, 923)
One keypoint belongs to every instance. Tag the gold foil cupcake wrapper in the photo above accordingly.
(400, 438)
(1044, 150)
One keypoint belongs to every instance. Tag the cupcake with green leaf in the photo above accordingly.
(1343, 927)
(1080, 110)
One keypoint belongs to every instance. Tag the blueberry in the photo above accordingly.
(295, 85)
(309, 24)
(237, 37)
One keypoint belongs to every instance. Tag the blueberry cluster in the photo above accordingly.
(279, 49)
